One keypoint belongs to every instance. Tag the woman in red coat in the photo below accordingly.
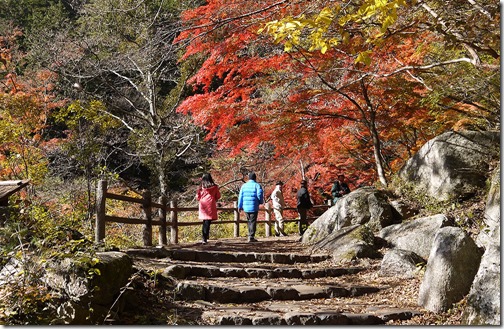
(207, 195)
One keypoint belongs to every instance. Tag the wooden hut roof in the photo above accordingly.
(9, 187)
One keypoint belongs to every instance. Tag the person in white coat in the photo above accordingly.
(278, 202)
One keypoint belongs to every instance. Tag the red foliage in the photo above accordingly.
(310, 106)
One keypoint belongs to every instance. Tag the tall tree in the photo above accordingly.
(121, 53)
(343, 74)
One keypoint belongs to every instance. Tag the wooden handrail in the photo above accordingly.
(168, 209)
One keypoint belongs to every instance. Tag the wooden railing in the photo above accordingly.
(168, 216)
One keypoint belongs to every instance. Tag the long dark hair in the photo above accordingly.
(207, 181)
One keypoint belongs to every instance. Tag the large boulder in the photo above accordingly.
(484, 301)
(452, 165)
(401, 263)
(115, 270)
(451, 267)
(88, 283)
(366, 205)
(490, 234)
(99, 279)
(349, 243)
(415, 235)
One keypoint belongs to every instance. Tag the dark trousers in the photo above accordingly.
(251, 223)
(206, 229)
(303, 222)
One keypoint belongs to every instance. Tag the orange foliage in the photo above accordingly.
(26, 103)
(310, 106)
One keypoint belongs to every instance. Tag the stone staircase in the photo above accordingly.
(230, 285)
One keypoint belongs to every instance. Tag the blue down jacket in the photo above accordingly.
(250, 197)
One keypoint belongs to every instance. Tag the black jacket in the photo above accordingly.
(303, 199)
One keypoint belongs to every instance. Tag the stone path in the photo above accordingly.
(282, 285)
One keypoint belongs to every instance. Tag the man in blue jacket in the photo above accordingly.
(250, 197)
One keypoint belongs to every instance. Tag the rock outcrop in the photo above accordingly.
(452, 165)
(451, 267)
(349, 243)
(90, 289)
(366, 205)
(415, 235)
(401, 263)
(484, 300)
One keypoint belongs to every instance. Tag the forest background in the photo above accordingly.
(150, 94)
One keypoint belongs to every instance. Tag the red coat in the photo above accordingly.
(207, 198)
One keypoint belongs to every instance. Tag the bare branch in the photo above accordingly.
(481, 9)
(426, 67)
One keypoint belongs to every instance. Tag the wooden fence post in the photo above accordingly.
(236, 219)
(162, 229)
(101, 192)
(147, 208)
(267, 219)
(174, 222)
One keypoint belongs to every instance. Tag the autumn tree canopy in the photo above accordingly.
(340, 86)
(290, 89)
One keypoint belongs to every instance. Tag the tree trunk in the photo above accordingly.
(371, 124)
(163, 186)
(377, 154)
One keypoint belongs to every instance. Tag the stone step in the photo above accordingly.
(253, 292)
(182, 271)
(241, 257)
(226, 286)
(252, 316)
(203, 256)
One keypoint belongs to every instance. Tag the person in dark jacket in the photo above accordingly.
(339, 188)
(303, 204)
(250, 197)
(208, 193)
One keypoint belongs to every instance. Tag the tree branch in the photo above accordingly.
(221, 22)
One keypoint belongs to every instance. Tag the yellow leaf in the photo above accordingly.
(363, 57)
(288, 46)
(380, 3)
(325, 16)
